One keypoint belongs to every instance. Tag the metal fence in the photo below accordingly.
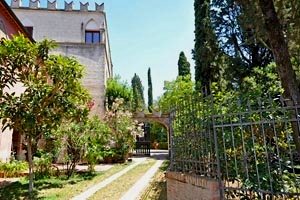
(250, 146)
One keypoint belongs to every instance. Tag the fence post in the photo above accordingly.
(219, 177)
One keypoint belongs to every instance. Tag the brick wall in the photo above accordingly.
(191, 187)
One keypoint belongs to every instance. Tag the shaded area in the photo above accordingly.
(159, 154)
(19, 189)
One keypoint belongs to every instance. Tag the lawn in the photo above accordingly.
(58, 188)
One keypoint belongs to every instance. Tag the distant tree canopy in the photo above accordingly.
(117, 89)
(138, 102)
(174, 91)
(183, 65)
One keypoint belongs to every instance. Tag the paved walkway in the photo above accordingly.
(134, 192)
(89, 192)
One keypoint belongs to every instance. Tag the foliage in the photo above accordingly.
(206, 51)
(175, 91)
(150, 93)
(118, 89)
(71, 140)
(183, 65)
(138, 94)
(241, 36)
(98, 135)
(52, 90)
(263, 83)
(13, 168)
(43, 165)
(124, 129)
(162, 145)
(158, 133)
(82, 141)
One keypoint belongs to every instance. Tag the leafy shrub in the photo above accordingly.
(43, 165)
(163, 145)
(13, 168)
(124, 129)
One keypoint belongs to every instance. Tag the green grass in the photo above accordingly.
(58, 188)
(157, 190)
(119, 187)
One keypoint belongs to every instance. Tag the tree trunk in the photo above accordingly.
(31, 171)
(283, 60)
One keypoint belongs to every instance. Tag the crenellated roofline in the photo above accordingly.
(35, 4)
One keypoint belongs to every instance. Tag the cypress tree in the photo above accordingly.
(206, 49)
(150, 94)
(138, 94)
(183, 65)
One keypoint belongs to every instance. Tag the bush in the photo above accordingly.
(163, 145)
(13, 168)
(43, 165)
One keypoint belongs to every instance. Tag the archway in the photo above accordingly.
(163, 119)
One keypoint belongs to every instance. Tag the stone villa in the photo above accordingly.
(81, 33)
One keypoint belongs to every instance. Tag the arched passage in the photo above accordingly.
(163, 119)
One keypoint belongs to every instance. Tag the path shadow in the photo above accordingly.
(159, 154)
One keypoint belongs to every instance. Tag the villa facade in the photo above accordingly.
(82, 34)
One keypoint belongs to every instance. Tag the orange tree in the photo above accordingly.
(52, 91)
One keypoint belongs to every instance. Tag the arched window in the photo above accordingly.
(92, 33)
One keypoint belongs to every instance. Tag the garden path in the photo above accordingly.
(134, 192)
(89, 192)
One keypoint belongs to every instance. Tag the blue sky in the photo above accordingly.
(147, 33)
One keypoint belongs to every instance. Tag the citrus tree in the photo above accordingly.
(52, 90)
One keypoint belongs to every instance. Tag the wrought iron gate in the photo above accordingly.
(143, 145)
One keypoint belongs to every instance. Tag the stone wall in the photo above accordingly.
(93, 58)
(190, 187)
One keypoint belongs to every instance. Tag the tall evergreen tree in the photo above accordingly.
(183, 65)
(150, 92)
(282, 56)
(138, 94)
(205, 49)
(240, 33)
